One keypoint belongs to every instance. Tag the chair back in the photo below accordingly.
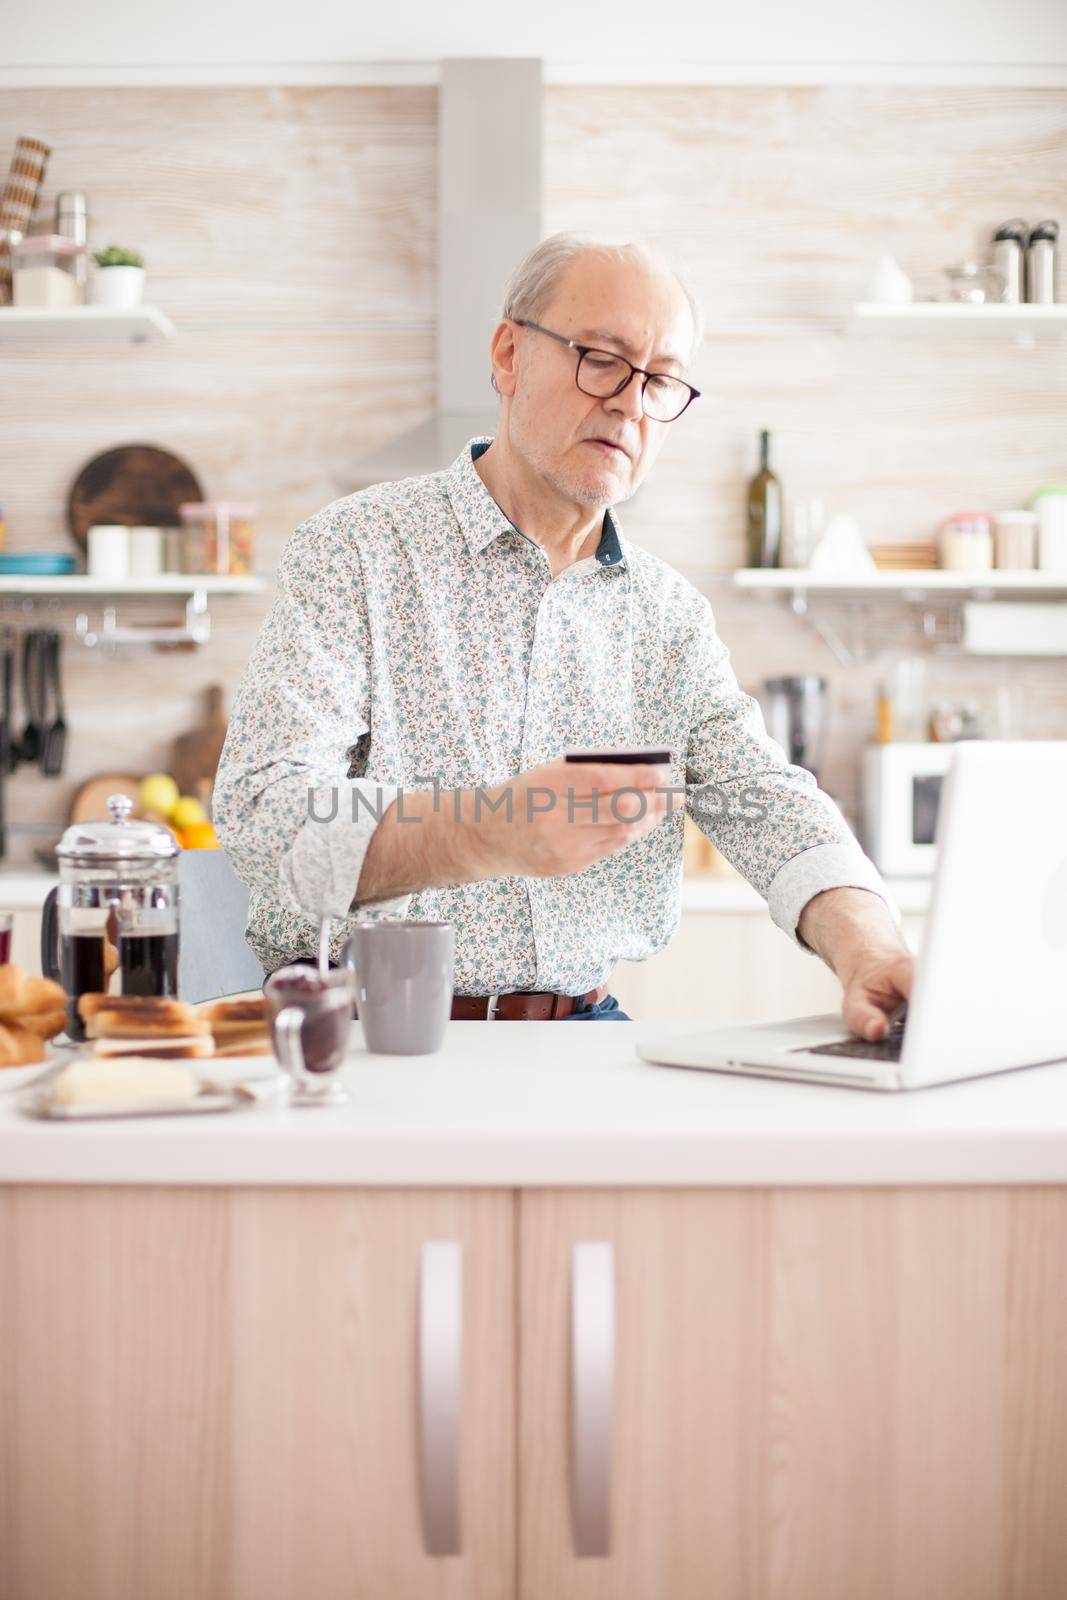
(213, 958)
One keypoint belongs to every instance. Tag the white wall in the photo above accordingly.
(777, 41)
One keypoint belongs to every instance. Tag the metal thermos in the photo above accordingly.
(72, 221)
(1041, 264)
(1009, 259)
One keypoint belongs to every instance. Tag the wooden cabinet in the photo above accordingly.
(215, 1394)
(733, 966)
(812, 1394)
(818, 1395)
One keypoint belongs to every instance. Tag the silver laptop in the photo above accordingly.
(990, 985)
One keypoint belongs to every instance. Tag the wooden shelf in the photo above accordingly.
(169, 583)
(80, 324)
(920, 581)
(1023, 323)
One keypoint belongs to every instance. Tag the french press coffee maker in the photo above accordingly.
(116, 907)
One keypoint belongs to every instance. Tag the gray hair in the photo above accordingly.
(530, 286)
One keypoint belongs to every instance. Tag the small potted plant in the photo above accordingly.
(119, 278)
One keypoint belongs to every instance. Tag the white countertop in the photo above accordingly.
(569, 1104)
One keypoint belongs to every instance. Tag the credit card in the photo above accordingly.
(620, 758)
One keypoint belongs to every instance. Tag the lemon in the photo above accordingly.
(186, 811)
(158, 792)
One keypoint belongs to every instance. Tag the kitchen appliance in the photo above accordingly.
(1041, 264)
(490, 141)
(900, 798)
(795, 711)
(116, 906)
(987, 993)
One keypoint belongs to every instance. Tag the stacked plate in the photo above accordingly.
(37, 564)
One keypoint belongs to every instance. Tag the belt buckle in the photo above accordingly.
(491, 1010)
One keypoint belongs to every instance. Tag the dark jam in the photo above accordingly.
(327, 1011)
(148, 963)
(81, 971)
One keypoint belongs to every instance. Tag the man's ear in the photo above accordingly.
(505, 356)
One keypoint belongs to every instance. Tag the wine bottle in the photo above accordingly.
(764, 512)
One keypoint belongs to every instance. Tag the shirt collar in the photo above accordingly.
(482, 519)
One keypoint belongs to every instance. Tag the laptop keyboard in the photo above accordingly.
(887, 1049)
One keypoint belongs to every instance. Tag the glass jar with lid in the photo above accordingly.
(218, 537)
(965, 541)
(45, 271)
(115, 911)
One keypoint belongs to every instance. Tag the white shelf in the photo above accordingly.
(138, 325)
(1023, 323)
(169, 583)
(926, 581)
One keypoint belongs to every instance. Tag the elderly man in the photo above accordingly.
(436, 645)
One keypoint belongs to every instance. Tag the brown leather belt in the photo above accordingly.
(532, 1006)
(542, 1005)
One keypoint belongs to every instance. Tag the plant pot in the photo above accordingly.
(118, 287)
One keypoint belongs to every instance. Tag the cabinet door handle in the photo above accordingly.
(592, 1387)
(440, 1375)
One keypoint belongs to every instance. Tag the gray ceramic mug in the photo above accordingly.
(402, 975)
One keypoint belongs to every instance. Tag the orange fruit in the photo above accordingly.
(200, 836)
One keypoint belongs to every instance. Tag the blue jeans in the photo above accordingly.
(606, 1010)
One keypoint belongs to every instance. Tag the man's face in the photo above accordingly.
(632, 309)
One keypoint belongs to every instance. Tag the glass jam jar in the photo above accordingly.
(218, 537)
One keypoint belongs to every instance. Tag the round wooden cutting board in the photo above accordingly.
(136, 484)
(90, 802)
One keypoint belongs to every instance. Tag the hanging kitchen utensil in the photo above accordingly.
(136, 484)
(7, 667)
(8, 641)
(29, 745)
(55, 735)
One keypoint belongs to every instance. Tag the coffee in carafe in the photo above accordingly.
(148, 956)
(82, 961)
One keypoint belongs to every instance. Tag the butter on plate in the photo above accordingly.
(126, 1080)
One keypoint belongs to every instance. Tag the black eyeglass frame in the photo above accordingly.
(592, 349)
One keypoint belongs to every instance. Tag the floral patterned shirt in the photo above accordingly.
(418, 634)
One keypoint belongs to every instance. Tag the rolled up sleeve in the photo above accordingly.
(767, 816)
(293, 822)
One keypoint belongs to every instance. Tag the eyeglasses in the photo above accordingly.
(663, 397)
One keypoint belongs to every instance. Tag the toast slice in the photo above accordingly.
(193, 1046)
(233, 1013)
(135, 1023)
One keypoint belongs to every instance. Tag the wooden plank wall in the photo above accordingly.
(291, 234)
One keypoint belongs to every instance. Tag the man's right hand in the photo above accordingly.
(551, 828)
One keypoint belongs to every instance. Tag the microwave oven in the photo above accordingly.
(900, 795)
